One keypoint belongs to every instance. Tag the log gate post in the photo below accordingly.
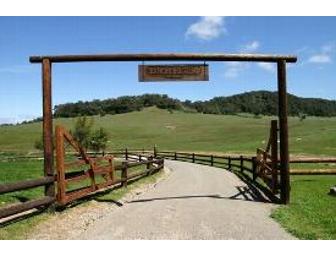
(283, 125)
(48, 149)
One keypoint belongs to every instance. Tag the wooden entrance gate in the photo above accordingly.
(83, 168)
(280, 60)
(79, 174)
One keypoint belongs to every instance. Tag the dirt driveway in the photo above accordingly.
(194, 202)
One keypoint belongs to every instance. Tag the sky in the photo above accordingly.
(312, 39)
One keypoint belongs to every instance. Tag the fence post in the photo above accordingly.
(140, 158)
(60, 171)
(175, 155)
(112, 169)
(124, 174)
(241, 163)
(126, 154)
(193, 157)
(274, 154)
(155, 151)
(254, 168)
(212, 160)
(148, 166)
(229, 163)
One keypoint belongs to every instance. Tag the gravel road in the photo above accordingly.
(194, 202)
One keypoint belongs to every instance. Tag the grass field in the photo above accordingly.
(189, 132)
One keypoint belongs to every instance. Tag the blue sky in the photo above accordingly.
(312, 39)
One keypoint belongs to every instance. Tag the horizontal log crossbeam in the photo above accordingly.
(165, 57)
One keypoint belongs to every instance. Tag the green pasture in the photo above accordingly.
(188, 132)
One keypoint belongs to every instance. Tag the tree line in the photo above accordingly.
(255, 102)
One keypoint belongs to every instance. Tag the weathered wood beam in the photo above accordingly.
(47, 126)
(27, 184)
(14, 209)
(165, 57)
(283, 127)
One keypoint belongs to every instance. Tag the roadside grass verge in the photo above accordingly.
(311, 213)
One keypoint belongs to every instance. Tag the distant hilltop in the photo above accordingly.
(254, 102)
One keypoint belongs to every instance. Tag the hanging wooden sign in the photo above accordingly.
(187, 72)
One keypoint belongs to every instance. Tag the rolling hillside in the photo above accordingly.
(254, 102)
(188, 132)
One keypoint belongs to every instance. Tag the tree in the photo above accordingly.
(302, 116)
(82, 131)
(98, 140)
(38, 144)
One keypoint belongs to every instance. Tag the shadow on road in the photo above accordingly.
(244, 194)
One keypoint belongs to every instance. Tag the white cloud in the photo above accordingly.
(234, 69)
(231, 72)
(267, 66)
(250, 47)
(320, 58)
(207, 28)
(325, 54)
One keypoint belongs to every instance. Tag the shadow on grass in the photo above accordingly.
(98, 194)
(26, 216)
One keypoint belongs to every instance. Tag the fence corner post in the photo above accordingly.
(193, 157)
(175, 155)
(212, 160)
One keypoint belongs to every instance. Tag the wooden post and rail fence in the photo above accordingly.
(238, 163)
(71, 185)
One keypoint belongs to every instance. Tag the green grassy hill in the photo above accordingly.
(189, 132)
